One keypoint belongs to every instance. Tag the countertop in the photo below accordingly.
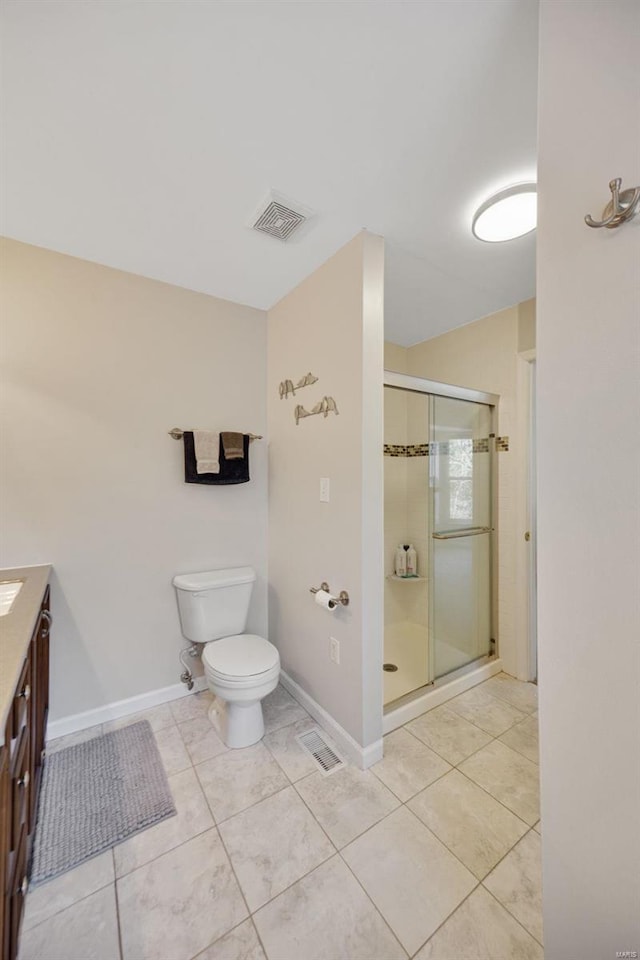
(16, 629)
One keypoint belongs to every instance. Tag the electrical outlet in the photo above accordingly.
(324, 489)
(334, 649)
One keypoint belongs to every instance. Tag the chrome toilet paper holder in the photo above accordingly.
(343, 596)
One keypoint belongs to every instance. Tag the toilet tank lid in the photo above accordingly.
(211, 579)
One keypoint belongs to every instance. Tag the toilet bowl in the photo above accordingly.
(241, 668)
(240, 671)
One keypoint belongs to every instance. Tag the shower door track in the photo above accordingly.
(418, 385)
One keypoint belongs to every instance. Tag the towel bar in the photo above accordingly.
(177, 434)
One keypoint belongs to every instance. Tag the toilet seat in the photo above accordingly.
(244, 659)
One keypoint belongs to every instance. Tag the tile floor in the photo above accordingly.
(433, 853)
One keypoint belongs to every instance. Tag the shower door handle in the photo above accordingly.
(456, 534)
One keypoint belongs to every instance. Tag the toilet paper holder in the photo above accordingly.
(343, 596)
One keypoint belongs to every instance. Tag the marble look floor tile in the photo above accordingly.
(507, 776)
(490, 714)
(522, 696)
(286, 750)
(193, 817)
(523, 737)
(80, 736)
(538, 827)
(481, 929)
(474, 826)
(88, 930)
(50, 898)
(326, 916)
(517, 883)
(158, 717)
(192, 706)
(347, 802)
(273, 844)
(200, 739)
(280, 709)
(180, 903)
(237, 779)
(172, 750)
(448, 734)
(412, 878)
(408, 764)
(239, 944)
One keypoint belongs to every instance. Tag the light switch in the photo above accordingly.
(324, 489)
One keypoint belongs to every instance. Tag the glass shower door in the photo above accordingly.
(460, 455)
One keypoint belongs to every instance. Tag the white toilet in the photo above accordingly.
(241, 668)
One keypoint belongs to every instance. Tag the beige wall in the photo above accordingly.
(331, 324)
(395, 357)
(97, 366)
(588, 482)
(484, 355)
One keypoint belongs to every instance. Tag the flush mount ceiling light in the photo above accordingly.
(508, 214)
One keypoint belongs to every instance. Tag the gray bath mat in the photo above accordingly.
(96, 794)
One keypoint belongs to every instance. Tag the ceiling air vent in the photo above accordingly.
(280, 217)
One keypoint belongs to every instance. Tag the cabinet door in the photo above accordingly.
(40, 706)
(5, 829)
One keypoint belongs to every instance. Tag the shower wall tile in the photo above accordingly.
(395, 416)
(418, 479)
(395, 605)
(417, 419)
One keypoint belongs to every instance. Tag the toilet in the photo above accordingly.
(241, 668)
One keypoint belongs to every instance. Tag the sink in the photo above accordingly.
(9, 590)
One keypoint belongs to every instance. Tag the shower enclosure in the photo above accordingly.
(440, 488)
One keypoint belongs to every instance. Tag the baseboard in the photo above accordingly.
(361, 757)
(436, 696)
(121, 708)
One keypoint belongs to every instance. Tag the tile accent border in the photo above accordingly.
(406, 449)
(480, 445)
(395, 449)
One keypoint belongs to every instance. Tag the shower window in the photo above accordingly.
(461, 479)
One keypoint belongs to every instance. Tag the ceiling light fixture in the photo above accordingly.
(508, 214)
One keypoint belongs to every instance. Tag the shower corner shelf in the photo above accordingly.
(392, 576)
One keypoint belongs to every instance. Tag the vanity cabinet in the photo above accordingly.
(21, 761)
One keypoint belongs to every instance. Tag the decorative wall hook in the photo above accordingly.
(622, 206)
(287, 387)
(306, 381)
(325, 406)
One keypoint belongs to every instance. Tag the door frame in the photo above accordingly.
(526, 602)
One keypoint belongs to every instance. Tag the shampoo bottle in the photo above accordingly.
(401, 562)
(412, 562)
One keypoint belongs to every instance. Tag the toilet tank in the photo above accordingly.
(215, 603)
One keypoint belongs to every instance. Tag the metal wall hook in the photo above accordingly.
(622, 206)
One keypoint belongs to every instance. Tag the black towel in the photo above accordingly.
(231, 471)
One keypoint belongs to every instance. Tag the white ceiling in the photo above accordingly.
(142, 135)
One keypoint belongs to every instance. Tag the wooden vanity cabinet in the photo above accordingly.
(21, 762)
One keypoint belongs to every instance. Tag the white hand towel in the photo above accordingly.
(207, 449)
